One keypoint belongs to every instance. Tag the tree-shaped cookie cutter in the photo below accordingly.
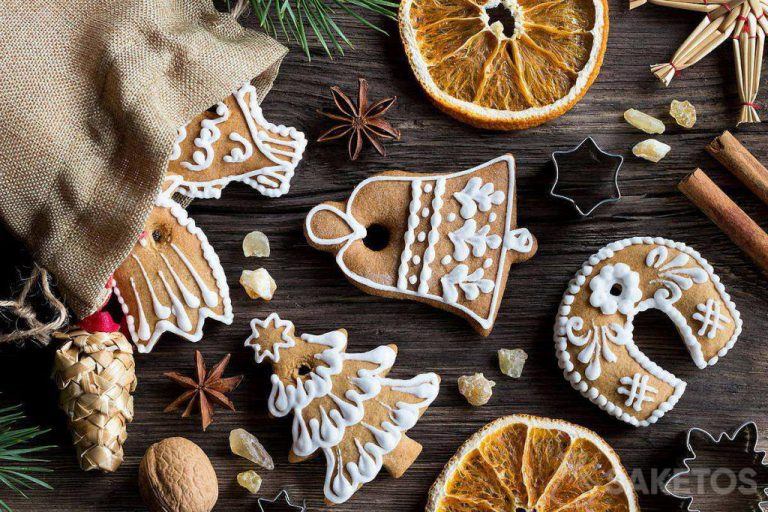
(596, 154)
(750, 431)
(283, 500)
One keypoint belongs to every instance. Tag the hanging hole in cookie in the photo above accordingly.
(304, 369)
(377, 237)
(616, 290)
(160, 234)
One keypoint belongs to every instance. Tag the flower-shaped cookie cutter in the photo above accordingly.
(597, 155)
(283, 501)
(747, 433)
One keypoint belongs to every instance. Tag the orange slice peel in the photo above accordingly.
(472, 68)
(526, 463)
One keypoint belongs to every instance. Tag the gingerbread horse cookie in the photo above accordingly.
(594, 332)
(343, 404)
(448, 240)
(232, 141)
(172, 280)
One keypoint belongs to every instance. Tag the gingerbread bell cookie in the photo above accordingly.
(343, 404)
(444, 239)
(172, 280)
(232, 141)
(594, 332)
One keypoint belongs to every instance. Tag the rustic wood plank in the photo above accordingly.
(315, 296)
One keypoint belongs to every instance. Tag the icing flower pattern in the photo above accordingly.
(615, 288)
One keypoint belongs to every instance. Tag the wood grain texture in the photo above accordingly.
(313, 293)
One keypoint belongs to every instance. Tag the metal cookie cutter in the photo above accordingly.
(589, 148)
(282, 502)
(745, 436)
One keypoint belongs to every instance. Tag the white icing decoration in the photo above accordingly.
(161, 310)
(619, 276)
(421, 236)
(358, 233)
(468, 235)
(488, 263)
(492, 217)
(477, 195)
(674, 275)
(451, 217)
(209, 133)
(425, 212)
(413, 222)
(286, 336)
(413, 279)
(639, 391)
(655, 259)
(416, 259)
(518, 240)
(327, 431)
(597, 343)
(181, 134)
(181, 325)
(433, 237)
(471, 284)
(271, 181)
(237, 155)
(447, 259)
(711, 318)
(428, 188)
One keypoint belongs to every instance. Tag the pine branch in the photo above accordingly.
(15, 448)
(298, 19)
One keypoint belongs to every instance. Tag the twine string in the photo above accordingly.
(22, 310)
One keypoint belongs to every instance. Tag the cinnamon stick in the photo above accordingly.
(731, 219)
(736, 158)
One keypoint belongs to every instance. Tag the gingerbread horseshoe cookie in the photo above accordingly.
(233, 142)
(172, 280)
(448, 240)
(594, 332)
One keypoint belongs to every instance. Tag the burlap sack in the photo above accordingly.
(91, 95)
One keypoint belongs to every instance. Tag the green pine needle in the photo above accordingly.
(14, 448)
(301, 20)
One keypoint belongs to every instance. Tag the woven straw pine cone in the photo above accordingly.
(95, 373)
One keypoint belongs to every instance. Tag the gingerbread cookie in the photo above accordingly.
(444, 239)
(232, 141)
(594, 332)
(172, 280)
(343, 404)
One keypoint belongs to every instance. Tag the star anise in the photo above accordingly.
(209, 388)
(360, 121)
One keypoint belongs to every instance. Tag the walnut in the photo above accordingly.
(175, 475)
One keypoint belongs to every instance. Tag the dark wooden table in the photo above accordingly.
(313, 293)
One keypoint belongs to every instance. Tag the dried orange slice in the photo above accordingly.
(478, 72)
(525, 463)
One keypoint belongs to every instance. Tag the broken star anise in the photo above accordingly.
(361, 121)
(209, 388)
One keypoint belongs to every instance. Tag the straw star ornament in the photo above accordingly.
(743, 22)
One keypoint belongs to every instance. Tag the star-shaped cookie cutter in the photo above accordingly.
(283, 500)
(748, 429)
(597, 155)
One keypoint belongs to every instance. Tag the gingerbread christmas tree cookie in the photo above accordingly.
(172, 280)
(448, 240)
(594, 332)
(232, 141)
(343, 404)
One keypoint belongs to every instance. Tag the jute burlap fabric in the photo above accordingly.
(91, 95)
(96, 375)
